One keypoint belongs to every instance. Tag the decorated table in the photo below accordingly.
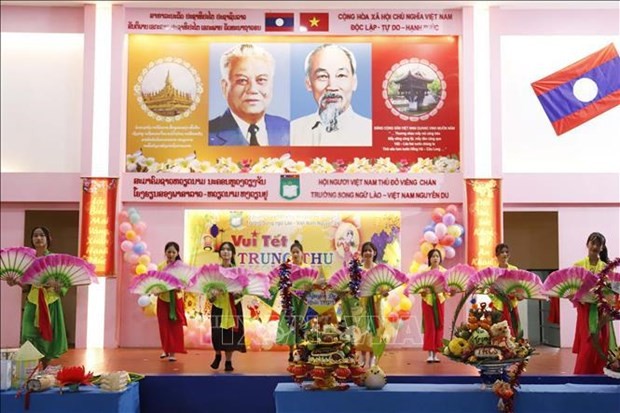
(447, 398)
(88, 399)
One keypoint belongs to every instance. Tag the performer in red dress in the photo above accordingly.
(171, 311)
(589, 361)
(433, 313)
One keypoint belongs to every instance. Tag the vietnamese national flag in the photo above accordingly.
(279, 22)
(314, 22)
(565, 108)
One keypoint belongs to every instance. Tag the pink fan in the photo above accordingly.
(274, 277)
(520, 284)
(565, 283)
(211, 277)
(485, 278)
(339, 281)
(458, 277)
(433, 281)
(586, 294)
(380, 279)
(15, 261)
(258, 285)
(302, 278)
(154, 282)
(181, 271)
(67, 270)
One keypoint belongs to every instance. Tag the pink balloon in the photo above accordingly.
(418, 257)
(126, 245)
(124, 227)
(431, 237)
(123, 216)
(440, 230)
(452, 209)
(450, 253)
(139, 227)
(152, 267)
(133, 258)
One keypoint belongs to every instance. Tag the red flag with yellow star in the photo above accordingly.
(314, 22)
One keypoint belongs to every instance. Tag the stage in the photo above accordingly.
(190, 385)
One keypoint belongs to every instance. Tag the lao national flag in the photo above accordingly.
(314, 22)
(581, 91)
(279, 22)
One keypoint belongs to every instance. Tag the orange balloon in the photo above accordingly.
(404, 315)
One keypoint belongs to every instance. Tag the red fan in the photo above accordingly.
(67, 270)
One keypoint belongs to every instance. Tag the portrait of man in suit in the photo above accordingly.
(247, 81)
(331, 78)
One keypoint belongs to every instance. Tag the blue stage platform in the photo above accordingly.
(226, 393)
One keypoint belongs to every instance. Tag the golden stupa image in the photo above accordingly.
(168, 101)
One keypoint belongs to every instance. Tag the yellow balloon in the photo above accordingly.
(425, 248)
(415, 266)
(405, 303)
(130, 235)
(454, 230)
(140, 269)
(144, 260)
(387, 309)
(150, 310)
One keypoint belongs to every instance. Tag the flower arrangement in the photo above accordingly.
(138, 162)
(607, 291)
(73, 377)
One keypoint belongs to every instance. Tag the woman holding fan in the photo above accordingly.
(509, 309)
(226, 316)
(433, 312)
(589, 361)
(364, 343)
(171, 311)
(43, 322)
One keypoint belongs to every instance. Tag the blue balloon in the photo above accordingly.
(429, 227)
(458, 242)
(139, 248)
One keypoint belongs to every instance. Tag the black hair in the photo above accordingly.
(500, 247)
(176, 247)
(430, 254)
(598, 238)
(232, 248)
(298, 245)
(372, 247)
(46, 232)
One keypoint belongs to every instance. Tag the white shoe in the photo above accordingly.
(436, 359)
(163, 355)
(430, 359)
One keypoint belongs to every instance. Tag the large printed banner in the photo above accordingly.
(319, 103)
(484, 221)
(262, 239)
(217, 21)
(366, 188)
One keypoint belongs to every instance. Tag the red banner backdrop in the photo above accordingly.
(484, 232)
(98, 212)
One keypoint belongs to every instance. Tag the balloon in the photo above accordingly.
(448, 219)
(439, 211)
(462, 228)
(132, 211)
(124, 227)
(458, 242)
(425, 248)
(134, 218)
(393, 299)
(151, 267)
(452, 209)
(418, 257)
(133, 258)
(454, 230)
(429, 227)
(123, 216)
(214, 230)
(436, 217)
(415, 266)
(150, 310)
(430, 237)
(405, 304)
(140, 269)
(450, 253)
(404, 315)
(139, 248)
(144, 300)
(126, 245)
(392, 317)
(130, 235)
(144, 260)
(447, 240)
(441, 230)
(140, 227)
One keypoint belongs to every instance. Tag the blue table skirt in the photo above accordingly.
(89, 399)
(448, 398)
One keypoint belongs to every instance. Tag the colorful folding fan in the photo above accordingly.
(484, 279)
(520, 284)
(339, 281)
(15, 261)
(67, 270)
(380, 279)
(258, 285)
(458, 278)
(181, 271)
(586, 294)
(154, 282)
(565, 283)
(433, 281)
(211, 277)
(303, 278)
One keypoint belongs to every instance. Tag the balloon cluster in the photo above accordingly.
(135, 251)
(442, 233)
(397, 306)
